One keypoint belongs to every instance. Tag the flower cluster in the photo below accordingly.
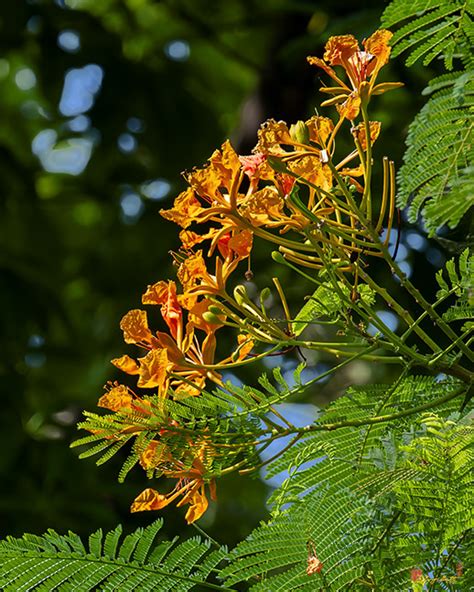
(295, 191)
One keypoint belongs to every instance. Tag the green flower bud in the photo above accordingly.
(240, 294)
(299, 132)
(210, 317)
(278, 257)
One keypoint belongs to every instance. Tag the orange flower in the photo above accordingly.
(117, 398)
(126, 364)
(416, 574)
(177, 360)
(359, 133)
(164, 293)
(361, 67)
(186, 207)
(155, 454)
(220, 173)
(190, 487)
(264, 207)
(154, 370)
(314, 564)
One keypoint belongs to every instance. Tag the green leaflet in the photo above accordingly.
(457, 279)
(326, 302)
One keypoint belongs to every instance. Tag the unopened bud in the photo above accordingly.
(210, 317)
(299, 132)
(265, 294)
(215, 310)
(240, 294)
(278, 257)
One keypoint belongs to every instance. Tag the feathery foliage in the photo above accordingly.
(438, 171)
(438, 168)
(376, 491)
(432, 29)
(138, 562)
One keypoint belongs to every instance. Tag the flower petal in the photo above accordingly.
(154, 369)
(126, 364)
(263, 206)
(197, 508)
(377, 45)
(149, 499)
(271, 135)
(320, 129)
(241, 243)
(359, 132)
(311, 169)
(135, 327)
(185, 209)
(116, 399)
(340, 48)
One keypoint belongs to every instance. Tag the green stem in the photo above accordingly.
(207, 536)
(385, 532)
(402, 313)
(424, 314)
(367, 313)
(381, 418)
(455, 343)
(395, 268)
(366, 199)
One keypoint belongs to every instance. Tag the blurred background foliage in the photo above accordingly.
(103, 104)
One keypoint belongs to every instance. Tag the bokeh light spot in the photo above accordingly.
(156, 189)
(135, 125)
(80, 87)
(415, 241)
(132, 207)
(69, 41)
(25, 79)
(81, 123)
(177, 50)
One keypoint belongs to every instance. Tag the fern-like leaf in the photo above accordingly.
(62, 562)
(437, 174)
(432, 28)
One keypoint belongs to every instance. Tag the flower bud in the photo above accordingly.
(299, 132)
(211, 318)
(278, 257)
(240, 294)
